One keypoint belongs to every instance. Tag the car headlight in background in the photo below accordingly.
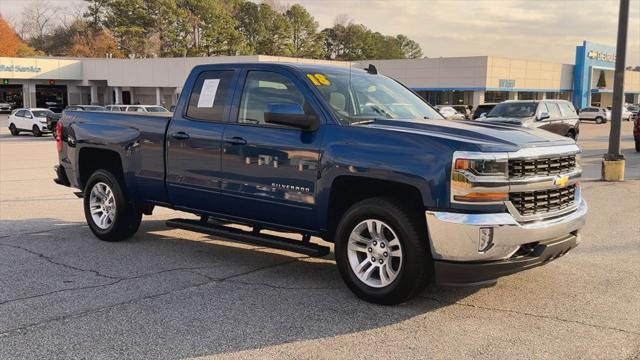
(479, 178)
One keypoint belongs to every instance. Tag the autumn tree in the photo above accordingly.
(9, 41)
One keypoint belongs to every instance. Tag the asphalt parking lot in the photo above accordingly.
(169, 294)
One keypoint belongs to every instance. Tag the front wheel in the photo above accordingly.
(382, 251)
(599, 120)
(36, 131)
(14, 130)
(110, 215)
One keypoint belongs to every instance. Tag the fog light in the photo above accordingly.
(485, 242)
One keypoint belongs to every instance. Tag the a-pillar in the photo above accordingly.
(94, 95)
(118, 92)
(478, 98)
(158, 96)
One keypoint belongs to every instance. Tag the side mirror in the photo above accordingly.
(28, 116)
(543, 115)
(291, 115)
(484, 114)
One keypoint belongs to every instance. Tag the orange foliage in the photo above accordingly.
(9, 42)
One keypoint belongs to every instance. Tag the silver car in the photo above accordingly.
(599, 115)
(5, 107)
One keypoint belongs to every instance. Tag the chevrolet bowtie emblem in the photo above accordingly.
(561, 181)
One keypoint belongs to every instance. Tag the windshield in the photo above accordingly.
(156, 109)
(513, 110)
(41, 113)
(95, 108)
(359, 97)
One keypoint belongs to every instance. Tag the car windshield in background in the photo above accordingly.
(41, 113)
(156, 109)
(95, 108)
(513, 110)
(358, 97)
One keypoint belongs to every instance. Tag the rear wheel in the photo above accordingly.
(110, 215)
(14, 130)
(36, 131)
(599, 120)
(572, 134)
(381, 251)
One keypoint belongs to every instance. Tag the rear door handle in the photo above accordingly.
(236, 140)
(180, 135)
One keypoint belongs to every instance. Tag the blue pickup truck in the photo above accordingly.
(345, 155)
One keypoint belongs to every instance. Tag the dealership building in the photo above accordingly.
(47, 82)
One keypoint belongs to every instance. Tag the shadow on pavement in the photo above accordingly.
(172, 294)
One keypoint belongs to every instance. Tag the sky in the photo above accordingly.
(537, 29)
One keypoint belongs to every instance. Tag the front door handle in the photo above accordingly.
(180, 135)
(236, 140)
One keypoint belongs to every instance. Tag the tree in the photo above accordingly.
(132, 26)
(9, 40)
(266, 31)
(410, 48)
(305, 39)
(95, 12)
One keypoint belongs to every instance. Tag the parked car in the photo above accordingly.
(52, 121)
(556, 116)
(146, 108)
(599, 115)
(462, 109)
(116, 107)
(634, 109)
(449, 112)
(320, 151)
(85, 108)
(5, 107)
(636, 130)
(482, 110)
(31, 120)
(626, 114)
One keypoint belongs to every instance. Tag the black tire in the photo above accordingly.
(417, 265)
(637, 145)
(572, 134)
(599, 120)
(36, 131)
(128, 213)
(14, 130)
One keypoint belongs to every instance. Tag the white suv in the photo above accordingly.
(600, 115)
(31, 120)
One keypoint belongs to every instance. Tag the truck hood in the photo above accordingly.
(487, 136)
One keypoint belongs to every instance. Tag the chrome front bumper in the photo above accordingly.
(455, 236)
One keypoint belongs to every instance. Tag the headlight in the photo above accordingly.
(479, 178)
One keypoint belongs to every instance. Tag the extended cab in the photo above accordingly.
(346, 155)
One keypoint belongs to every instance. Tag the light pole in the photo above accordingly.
(613, 162)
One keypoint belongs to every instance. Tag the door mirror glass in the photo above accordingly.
(543, 115)
(290, 115)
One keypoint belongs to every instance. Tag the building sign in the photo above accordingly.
(506, 83)
(601, 55)
(19, 68)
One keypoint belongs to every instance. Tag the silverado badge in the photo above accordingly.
(561, 181)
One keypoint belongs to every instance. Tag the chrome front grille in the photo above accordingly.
(519, 168)
(543, 201)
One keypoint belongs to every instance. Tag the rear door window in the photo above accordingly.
(554, 110)
(567, 110)
(211, 96)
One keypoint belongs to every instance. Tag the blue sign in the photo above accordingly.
(19, 68)
(589, 56)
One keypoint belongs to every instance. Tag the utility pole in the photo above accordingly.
(613, 162)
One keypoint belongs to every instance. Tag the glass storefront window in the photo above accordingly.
(495, 96)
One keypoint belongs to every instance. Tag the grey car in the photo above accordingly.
(557, 116)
